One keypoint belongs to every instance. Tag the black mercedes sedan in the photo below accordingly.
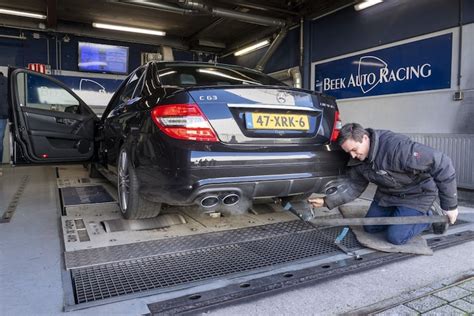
(184, 133)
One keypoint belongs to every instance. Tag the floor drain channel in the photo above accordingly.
(8, 214)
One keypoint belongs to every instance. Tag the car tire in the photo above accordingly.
(132, 205)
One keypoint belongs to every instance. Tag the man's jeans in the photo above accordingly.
(3, 123)
(396, 234)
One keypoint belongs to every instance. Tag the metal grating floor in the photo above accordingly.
(102, 255)
(205, 301)
(222, 254)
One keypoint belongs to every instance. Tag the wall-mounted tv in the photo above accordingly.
(103, 58)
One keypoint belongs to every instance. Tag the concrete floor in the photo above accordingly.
(31, 265)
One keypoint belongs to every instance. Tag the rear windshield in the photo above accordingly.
(211, 75)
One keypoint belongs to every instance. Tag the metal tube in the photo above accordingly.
(194, 7)
(263, 7)
(296, 76)
(292, 73)
(220, 12)
(47, 49)
(159, 6)
(263, 61)
(460, 46)
(333, 11)
(301, 41)
(400, 220)
(60, 55)
(56, 51)
(251, 18)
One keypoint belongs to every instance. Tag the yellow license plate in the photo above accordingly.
(277, 121)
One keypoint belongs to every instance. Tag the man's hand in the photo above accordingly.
(452, 215)
(316, 202)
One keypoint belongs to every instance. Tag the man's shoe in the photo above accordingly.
(438, 228)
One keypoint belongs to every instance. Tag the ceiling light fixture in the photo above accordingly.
(251, 48)
(220, 74)
(128, 29)
(24, 14)
(365, 4)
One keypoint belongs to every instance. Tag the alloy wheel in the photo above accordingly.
(123, 181)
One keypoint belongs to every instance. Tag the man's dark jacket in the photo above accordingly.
(406, 174)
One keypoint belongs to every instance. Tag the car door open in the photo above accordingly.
(50, 123)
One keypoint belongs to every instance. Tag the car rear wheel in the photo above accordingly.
(132, 205)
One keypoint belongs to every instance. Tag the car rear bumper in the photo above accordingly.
(248, 187)
(191, 175)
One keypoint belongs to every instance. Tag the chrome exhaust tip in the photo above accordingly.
(231, 199)
(209, 201)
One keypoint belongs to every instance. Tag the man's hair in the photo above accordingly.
(351, 130)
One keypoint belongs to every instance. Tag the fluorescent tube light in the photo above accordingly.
(23, 13)
(128, 29)
(251, 48)
(220, 74)
(365, 4)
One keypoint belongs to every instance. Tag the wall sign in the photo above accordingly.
(416, 66)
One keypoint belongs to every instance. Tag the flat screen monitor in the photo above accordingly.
(103, 58)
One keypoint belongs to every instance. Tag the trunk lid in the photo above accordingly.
(266, 114)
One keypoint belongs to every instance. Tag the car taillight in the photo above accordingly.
(336, 127)
(183, 121)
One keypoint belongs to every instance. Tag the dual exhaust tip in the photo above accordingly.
(209, 201)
